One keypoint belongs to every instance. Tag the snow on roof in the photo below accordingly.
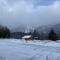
(27, 36)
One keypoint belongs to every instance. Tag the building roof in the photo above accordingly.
(27, 36)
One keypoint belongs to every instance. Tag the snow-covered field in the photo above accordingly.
(13, 49)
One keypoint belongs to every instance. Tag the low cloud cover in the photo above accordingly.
(14, 13)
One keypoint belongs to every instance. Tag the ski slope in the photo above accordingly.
(13, 49)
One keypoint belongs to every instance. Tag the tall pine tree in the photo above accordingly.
(52, 35)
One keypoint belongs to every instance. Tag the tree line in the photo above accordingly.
(5, 33)
(50, 36)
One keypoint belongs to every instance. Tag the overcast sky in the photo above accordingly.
(14, 13)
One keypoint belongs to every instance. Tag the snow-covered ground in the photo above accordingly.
(13, 49)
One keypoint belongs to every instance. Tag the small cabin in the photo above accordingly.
(27, 37)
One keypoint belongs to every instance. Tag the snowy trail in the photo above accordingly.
(16, 50)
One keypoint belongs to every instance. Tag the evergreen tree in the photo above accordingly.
(36, 35)
(52, 35)
(4, 32)
(7, 32)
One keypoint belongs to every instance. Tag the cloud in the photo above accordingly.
(23, 12)
(35, 2)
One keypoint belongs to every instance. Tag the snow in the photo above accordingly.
(13, 49)
(27, 36)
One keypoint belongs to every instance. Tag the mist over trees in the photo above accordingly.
(6, 33)
(35, 35)
(51, 35)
